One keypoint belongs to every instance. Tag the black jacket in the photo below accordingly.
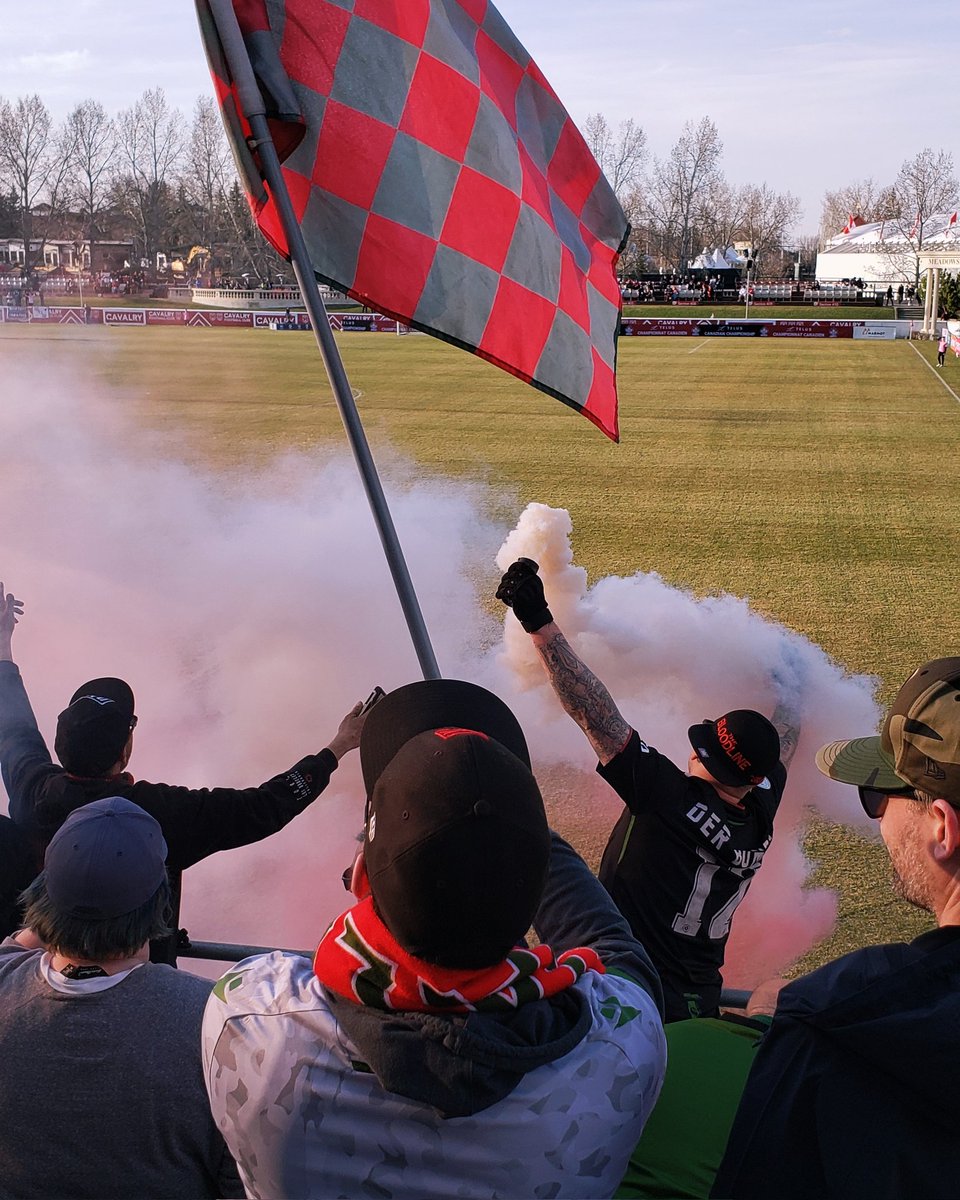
(852, 1091)
(196, 822)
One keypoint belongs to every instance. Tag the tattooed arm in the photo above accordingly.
(786, 718)
(789, 682)
(582, 694)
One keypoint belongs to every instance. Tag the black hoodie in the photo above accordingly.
(853, 1092)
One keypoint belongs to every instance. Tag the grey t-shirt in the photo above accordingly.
(102, 1093)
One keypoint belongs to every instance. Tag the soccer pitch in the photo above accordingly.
(817, 479)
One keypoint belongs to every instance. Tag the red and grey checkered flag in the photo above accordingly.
(438, 179)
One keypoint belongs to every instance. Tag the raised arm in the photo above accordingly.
(580, 692)
(788, 680)
(786, 718)
(10, 610)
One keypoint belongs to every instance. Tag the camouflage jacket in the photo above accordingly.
(319, 1097)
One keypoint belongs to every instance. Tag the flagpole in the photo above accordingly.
(253, 108)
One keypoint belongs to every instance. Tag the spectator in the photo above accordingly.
(101, 1089)
(900, 294)
(681, 856)
(94, 743)
(890, 295)
(426, 1051)
(848, 1094)
(17, 868)
(942, 346)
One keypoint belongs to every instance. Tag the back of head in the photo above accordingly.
(93, 730)
(103, 885)
(919, 743)
(456, 838)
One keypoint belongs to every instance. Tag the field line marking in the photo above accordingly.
(700, 347)
(934, 371)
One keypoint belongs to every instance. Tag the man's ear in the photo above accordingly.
(359, 881)
(946, 830)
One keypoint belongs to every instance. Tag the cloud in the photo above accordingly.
(59, 63)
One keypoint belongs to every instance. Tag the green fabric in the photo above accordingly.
(707, 1065)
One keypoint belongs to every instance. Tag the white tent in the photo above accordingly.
(883, 252)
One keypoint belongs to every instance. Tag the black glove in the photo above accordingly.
(521, 589)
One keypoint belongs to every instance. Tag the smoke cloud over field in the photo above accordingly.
(250, 612)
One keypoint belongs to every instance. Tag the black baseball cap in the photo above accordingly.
(107, 859)
(93, 730)
(739, 749)
(918, 744)
(456, 841)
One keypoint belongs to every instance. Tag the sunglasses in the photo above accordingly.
(874, 800)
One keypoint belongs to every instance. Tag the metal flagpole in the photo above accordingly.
(253, 108)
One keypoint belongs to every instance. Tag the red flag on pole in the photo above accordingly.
(953, 220)
(438, 179)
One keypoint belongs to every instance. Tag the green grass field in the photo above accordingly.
(818, 479)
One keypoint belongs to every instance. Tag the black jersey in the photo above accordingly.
(678, 862)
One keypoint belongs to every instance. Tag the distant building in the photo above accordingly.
(63, 254)
(880, 252)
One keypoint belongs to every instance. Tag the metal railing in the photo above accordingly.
(229, 952)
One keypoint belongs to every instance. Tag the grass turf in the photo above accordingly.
(816, 478)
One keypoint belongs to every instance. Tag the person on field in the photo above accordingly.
(101, 1087)
(849, 1093)
(682, 855)
(426, 1050)
(942, 346)
(94, 743)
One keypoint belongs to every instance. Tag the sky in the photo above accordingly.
(807, 97)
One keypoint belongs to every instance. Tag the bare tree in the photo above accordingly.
(723, 213)
(768, 216)
(925, 186)
(862, 198)
(150, 143)
(34, 158)
(680, 187)
(621, 154)
(209, 175)
(93, 139)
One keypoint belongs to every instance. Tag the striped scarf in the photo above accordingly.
(359, 959)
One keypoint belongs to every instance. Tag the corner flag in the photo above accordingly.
(437, 178)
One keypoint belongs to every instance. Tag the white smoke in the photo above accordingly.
(669, 661)
(250, 611)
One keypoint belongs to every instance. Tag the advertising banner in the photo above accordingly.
(166, 316)
(724, 327)
(124, 316)
(362, 322)
(875, 331)
(205, 318)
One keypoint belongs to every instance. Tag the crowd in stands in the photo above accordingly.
(432, 1046)
(665, 289)
(701, 288)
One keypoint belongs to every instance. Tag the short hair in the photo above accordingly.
(96, 941)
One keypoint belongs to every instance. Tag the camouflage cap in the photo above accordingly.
(919, 743)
